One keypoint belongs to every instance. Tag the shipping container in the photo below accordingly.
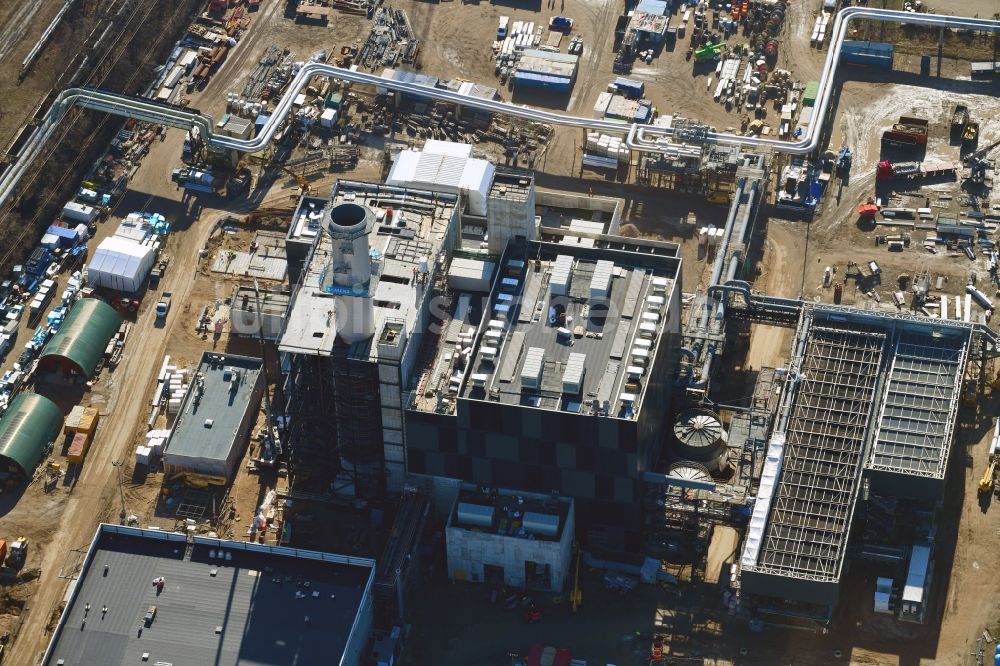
(81, 419)
(810, 93)
(867, 54)
(630, 87)
(557, 84)
(79, 212)
(78, 448)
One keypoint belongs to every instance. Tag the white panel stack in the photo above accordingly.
(600, 282)
(573, 374)
(604, 145)
(531, 371)
(562, 271)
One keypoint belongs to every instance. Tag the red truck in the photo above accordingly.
(908, 132)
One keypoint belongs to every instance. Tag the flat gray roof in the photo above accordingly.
(271, 302)
(192, 436)
(310, 326)
(250, 609)
(608, 332)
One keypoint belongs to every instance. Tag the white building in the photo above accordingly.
(121, 264)
(522, 540)
(443, 166)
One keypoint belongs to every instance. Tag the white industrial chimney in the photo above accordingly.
(348, 276)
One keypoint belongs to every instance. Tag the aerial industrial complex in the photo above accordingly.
(673, 342)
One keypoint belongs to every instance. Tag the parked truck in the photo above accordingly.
(914, 170)
(909, 132)
(17, 553)
(157, 273)
(194, 180)
(163, 307)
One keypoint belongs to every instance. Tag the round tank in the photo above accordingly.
(689, 471)
(698, 436)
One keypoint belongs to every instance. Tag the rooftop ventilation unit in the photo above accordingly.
(541, 524)
(600, 282)
(475, 515)
(562, 272)
(531, 371)
(573, 374)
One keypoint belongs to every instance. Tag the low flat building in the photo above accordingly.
(546, 70)
(502, 537)
(216, 416)
(221, 602)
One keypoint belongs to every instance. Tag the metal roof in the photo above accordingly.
(257, 604)
(921, 401)
(916, 576)
(85, 334)
(30, 423)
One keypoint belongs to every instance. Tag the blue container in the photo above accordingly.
(867, 54)
(996, 660)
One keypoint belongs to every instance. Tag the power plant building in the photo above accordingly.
(428, 343)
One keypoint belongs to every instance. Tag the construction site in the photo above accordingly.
(673, 320)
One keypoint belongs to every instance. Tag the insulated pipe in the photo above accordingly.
(721, 256)
(177, 117)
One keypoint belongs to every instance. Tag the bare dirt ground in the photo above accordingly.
(835, 237)
(456, 38)
(21, 24)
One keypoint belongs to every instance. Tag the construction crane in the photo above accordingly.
(304, 186)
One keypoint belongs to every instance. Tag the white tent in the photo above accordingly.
(121, 264)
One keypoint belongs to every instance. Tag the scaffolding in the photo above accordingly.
(837, 379)
(313, 463)
(921, 404)
(358, 414)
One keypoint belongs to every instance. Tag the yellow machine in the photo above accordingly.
(986, 483)
(576, 596)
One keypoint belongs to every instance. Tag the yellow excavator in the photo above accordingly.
(986, 483)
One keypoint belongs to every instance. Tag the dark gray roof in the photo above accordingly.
(252, 597)
(610, 331)
(191, 438)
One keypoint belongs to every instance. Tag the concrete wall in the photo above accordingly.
(507, 219)
(469, 551)
(356, 650)
(611, 208)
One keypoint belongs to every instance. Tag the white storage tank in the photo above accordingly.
(698, 436)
